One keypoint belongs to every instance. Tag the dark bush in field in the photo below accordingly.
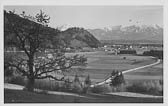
(118, 80)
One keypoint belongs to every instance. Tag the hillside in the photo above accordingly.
(133, 32)
(79, 37)
(52, 38)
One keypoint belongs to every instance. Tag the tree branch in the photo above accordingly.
(20, 70)
(44, 72)
(50, 76)
(22, 41)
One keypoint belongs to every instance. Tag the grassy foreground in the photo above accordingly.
(16, 96)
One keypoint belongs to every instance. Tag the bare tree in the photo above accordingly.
(27, 33)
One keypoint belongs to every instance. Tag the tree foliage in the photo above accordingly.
(87, 80)
(87, 84)
(117, 78)
(77, 87)
(27, 34)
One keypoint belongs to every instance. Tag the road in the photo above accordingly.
(126, 71)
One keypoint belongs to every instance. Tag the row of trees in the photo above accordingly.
(155, 53)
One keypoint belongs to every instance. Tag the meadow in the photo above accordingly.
(100, 65)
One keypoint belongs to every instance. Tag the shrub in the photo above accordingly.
(47, 85)
(87, 80)
(76, 85)
(149, 87)
(124, 58)
(118, 80)
(67, 86)
(120, 88)
(87, 84)
(8, 72)
(20, 80)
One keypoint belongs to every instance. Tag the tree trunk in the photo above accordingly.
(31, 79)
(30, 84)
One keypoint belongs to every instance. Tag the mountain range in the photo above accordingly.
(132, 32)
(76, 37)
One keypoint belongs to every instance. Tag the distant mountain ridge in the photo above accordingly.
(132, 32)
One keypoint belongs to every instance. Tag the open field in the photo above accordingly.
(17, 96)
(150, 73)
(100, 65)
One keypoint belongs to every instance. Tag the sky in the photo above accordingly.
(91, 17)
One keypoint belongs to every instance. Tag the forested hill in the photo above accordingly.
(72, 37)
(79, 37)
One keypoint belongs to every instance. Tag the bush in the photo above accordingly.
(8, 72)
(87, 84)
(153, 87)
(76, 85)
(20, 80)
(118, 80)
(67, 87)
(47, 85)
(120, 88)
(124, 58)
(148, 87)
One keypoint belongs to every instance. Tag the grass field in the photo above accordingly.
(150, 73)
(100, 65)
(16, 96)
